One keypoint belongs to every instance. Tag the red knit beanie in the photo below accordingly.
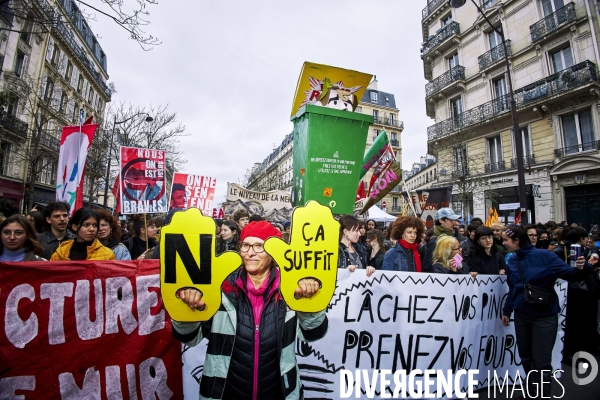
(259, 229)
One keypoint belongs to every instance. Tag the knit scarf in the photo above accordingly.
(440, 230)
(413, 247)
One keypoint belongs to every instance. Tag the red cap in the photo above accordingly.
(259, 229)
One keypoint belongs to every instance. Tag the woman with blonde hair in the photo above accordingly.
(497, 228)
(446, 248)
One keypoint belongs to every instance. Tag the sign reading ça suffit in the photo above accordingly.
(86, 330)
(188, 260)
(189, 190)
(311, 253)
(143, 181)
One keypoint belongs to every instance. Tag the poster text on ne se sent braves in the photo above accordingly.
(86, 330)
(190, 190)
(143, 181)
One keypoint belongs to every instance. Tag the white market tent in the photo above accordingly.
(378, 215)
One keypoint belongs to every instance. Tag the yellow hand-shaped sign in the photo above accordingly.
(312, 253)
(187, 260)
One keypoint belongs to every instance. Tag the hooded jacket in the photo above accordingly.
(94, 252)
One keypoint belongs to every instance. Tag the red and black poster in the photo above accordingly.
(143, 189)
(86, 330)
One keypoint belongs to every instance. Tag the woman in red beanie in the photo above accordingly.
(251, 339)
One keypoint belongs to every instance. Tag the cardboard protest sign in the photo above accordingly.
(311, 253)
(374, 153)
(188, 260)
(273, 205)
(86, 330)
(328, 86)
(143, 181)
(190, 190)
(427, 201)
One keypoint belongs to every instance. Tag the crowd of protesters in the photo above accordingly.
(531, 256)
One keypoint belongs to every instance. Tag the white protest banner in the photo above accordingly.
(408, 321)
(274, 205)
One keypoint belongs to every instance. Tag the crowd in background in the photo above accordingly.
(532, 256)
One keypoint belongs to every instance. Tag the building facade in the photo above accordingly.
(276, 170)
(52, 67)
(552, 49)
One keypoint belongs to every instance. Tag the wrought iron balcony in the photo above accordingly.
(561, 81)
(473, 116)
(67, 36)
(46, 7)
(396, 209)
(527, 160)
(13, 124)
(388, 121)
(552, 22)
(494, 167)
(493, 56)
(49, 139)
(455, 74)
(431, 6)
(578, 148)
(449, 30)
(394, 142)
(567, 79)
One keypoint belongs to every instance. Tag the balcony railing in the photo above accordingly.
(394, 142)
(578, 148)
(493, 56)
(67, 36)
(431, 6)
(78, 21)
(567, 79)
(388, 121)
(494, 167)
(451, 29)
(455, 74)
(552, 22)
(13, 124)
(44, 5)
(396, 209)
(527, 160)
(485, 4)
(49, 139)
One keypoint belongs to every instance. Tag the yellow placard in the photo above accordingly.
(311, 253)
(188, 260)
(329, 86)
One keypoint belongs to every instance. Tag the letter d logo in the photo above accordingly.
(583, 368)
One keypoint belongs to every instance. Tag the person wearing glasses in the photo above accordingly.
(532, 234)
(252, 338)
(484, 258)
(444, 257)
(19, 240)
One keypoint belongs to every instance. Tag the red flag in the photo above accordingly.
(361, 193)
(117, 194)
(381, 165)
(79, 194)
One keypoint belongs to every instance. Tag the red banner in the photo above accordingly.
(83, 330)
(143, 181)
(190, 190)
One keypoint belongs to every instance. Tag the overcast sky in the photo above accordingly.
(229, 69)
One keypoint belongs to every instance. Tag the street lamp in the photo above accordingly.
(513, 110)
(112, 136)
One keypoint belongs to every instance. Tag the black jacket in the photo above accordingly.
(486, 265)
(344, 256)
(50, 243)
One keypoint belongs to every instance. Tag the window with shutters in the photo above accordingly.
(19, 64)
(5, 148)
(48, 91)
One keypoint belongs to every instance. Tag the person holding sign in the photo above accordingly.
(252, 338)
(85, 246)
(19, 241)
(447, 257)
(536, 309)
(404, 256)
(351, 254)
